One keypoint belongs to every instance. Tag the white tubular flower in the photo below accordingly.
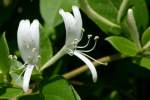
(73, 24)
(28, 43)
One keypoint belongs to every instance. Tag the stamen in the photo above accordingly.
(10, 56)
(89, 38)
(33, 50)
(95, 38)
(82, 31)
(15, 57)
(21, 74)
(94, 59)
(22, 67)
(75, 43)
(39, 56)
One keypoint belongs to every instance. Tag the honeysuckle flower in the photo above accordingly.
(28, 43)
(73, 25)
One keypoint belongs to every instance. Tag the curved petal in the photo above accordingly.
(77, 16)
(69, 25)
(88, 63)
(26, 77)
(73, 24)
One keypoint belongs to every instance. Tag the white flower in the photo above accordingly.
(73, 24)
(28, 43)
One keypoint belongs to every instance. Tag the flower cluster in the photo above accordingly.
(28, 42)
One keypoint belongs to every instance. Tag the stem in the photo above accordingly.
(84, 68)
(55, 58)
(122, 10)
(95, 16)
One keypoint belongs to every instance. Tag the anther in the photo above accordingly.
(15, 57)
(75, 42)
(39, 56)
(10, 56)
(33, 50)
(83, 30)
(96, 37)
(89, 38)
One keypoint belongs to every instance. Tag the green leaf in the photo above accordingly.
(106, 8)
(146, 36)
(75, 93)
(46, 50)
(4, 53)
(49, 10)
(59, 89)
(33, 96)
(145, 62)
(11, 93)
(15, 71)
(109, 10)
(140, 13)
(103, 13)
(123, 45)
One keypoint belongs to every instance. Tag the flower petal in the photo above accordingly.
(88, 63)
(78, 18)
(34, 31)
(28, 40)
(73, 24)
(26, 77)
(69, 25)
(22, 37)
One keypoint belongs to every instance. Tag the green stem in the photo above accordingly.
(95, 16)
(84, 68)
(55, 58)
(121, 10)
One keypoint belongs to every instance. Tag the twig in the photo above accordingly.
(84, 68)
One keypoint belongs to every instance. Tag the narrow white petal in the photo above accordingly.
(34, 31)
(26, 77)
(68, 19)
(73, 28)
(88, 63)
(78, 18)
(22, 37)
